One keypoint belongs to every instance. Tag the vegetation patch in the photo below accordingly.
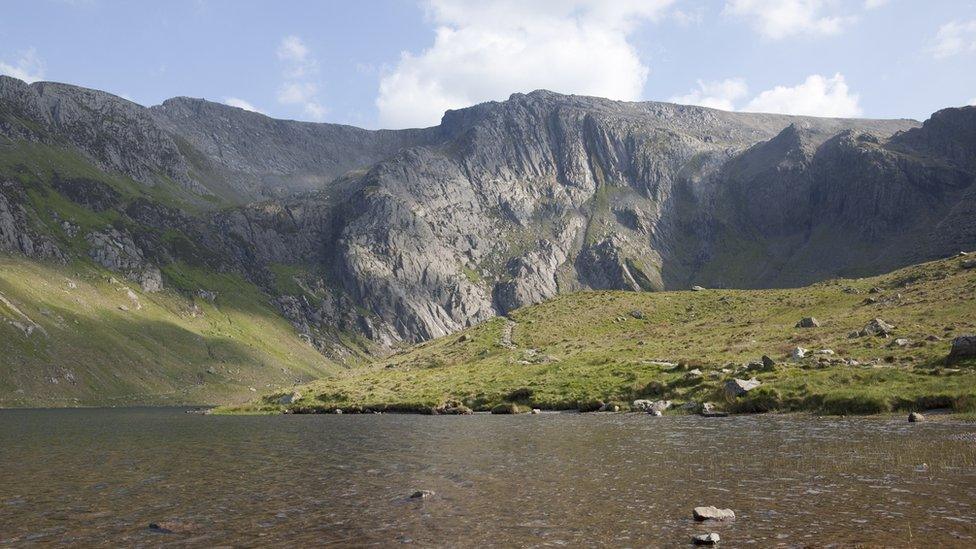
(685, 346)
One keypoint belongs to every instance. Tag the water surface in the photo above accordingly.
(100, 477)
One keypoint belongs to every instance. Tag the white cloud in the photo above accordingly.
(242, 104)
(299, 70)
(487, 50)
(28, 67)
(291, 93)
(954, 38)
(720, 94)
(816, 96)
(973, 101)
(873, 4)
(297, 58)
(777, 19)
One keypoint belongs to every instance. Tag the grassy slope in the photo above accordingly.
(95, 352)
(599, 351)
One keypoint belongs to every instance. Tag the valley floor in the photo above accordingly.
(584, 350)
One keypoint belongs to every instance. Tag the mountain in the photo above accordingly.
(367, 240)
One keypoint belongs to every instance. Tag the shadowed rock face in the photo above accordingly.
(417, 233)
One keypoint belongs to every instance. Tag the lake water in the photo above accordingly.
(100, 477)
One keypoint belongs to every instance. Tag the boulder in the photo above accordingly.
(507, 408)
(739, 387)
(453, 409)
(768, 363)
(970, 264)
(915, 417)
(963, 347)
(798, 353)
(808, 322)
(289, 398)
(708, 410)
(900, 342)
(706, 539)
(697, 288)
(713, 513)
(422, 494)
(639, 315)
(610, 407)
(648, 406)
(656, 413)
(876, 327)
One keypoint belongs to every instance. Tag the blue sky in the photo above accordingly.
(401, 63)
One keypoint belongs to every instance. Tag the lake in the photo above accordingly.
(100, 477)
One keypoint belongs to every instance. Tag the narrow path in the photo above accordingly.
(507, 334)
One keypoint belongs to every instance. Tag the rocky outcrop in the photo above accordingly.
(115, 250)
(415, 234)
(16, 233)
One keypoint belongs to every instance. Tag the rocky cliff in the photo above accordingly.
(394, 236)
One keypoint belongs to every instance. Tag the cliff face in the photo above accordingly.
(408, 235)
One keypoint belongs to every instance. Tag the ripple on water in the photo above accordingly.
(99, 477)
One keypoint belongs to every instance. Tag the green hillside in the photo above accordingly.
(80, 335)
(618, 346)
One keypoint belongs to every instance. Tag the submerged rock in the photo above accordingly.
(706, 539)
(713, 513)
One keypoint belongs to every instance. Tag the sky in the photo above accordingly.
(402, 63)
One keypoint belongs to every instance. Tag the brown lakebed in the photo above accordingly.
(101, 476)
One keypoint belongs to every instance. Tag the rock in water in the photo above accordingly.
(963, 346)
(808, 322)
(915, 417)
(739, 387)
(706, 539)
(713, 513)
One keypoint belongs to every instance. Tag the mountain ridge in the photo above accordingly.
(389, 237)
